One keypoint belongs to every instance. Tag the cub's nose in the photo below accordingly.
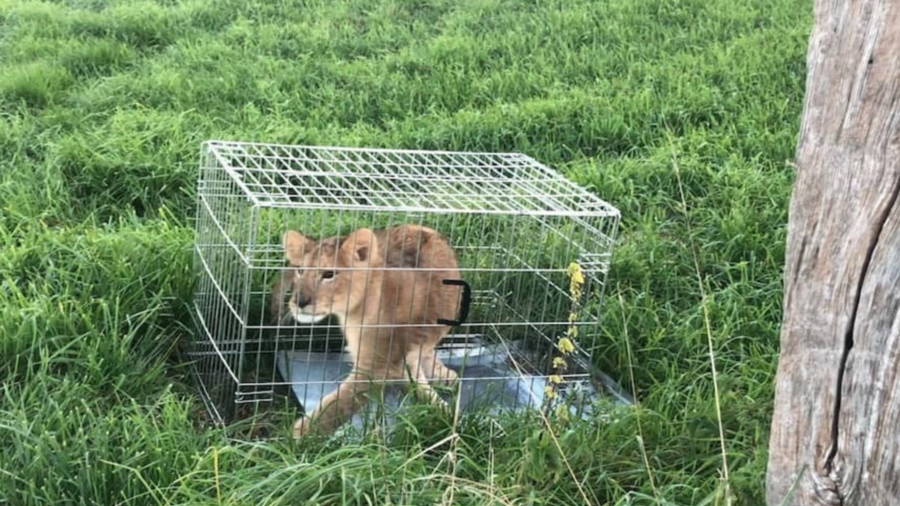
(302, 300)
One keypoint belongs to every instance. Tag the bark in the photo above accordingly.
(837, 399)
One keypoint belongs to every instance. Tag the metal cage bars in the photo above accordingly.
(248, 192)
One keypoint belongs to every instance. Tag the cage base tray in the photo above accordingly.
(488, 382)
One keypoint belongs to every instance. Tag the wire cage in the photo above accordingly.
(511, 325)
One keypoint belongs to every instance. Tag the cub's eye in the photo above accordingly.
(327, 274)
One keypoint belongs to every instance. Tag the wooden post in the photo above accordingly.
(837, 399)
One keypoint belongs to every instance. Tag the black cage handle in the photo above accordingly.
(463, 305)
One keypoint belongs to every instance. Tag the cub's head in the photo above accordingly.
(332, 275)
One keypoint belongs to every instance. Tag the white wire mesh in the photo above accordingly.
(514, 225)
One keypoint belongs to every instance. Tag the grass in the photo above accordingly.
(103, 106)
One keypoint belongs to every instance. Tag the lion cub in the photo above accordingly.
(384, 286)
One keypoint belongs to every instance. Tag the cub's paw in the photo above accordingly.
(446, 376)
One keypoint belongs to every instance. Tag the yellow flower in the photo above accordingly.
(556, 379)
(559, 363)
(575, 291)
(576, 274)
(566, 345)
(549, 392)
(561, 412)
(572, 332)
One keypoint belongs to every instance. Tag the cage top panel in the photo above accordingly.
(273, 175)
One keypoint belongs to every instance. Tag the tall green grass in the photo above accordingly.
(103, 105)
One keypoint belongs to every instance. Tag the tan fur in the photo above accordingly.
(394, 300)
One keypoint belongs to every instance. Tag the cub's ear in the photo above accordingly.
(295, 245)
(360, 246)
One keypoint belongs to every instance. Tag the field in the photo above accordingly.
(683, 114)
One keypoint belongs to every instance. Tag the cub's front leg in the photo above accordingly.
(426, 360)
(337, 407)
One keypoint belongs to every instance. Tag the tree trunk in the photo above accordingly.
(836, 429)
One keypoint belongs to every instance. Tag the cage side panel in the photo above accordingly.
(224, 223)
